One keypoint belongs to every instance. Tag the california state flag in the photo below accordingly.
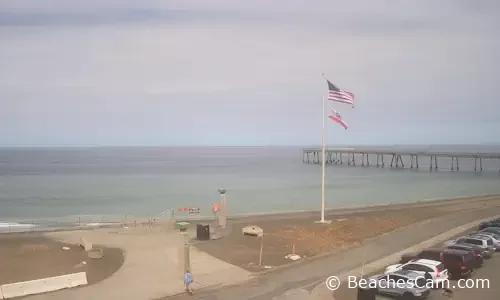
(335, 116)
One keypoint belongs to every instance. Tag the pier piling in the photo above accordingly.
(336, 156)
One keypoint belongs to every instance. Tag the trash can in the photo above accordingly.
(203, 232)
(182, 226)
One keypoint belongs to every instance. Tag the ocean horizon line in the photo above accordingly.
(75, 146)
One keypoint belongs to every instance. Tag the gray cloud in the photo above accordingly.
(195, 72)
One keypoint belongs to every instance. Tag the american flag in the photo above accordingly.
(335, 116)
(339, 95)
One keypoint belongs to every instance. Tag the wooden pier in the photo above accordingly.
(361, 157)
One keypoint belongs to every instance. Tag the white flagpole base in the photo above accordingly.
(323, 222)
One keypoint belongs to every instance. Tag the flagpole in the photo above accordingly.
(323, 159)
(323, 163)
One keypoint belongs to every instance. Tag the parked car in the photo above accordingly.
(485, 252)
(493, 236)
(429, 253)
(495, 230)
(476, 251)
(406, 284)
(494, 223)
(477, 241)
(490, 244)
(430, 269)
(459, 263)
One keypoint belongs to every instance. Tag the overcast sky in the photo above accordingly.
(231, 72)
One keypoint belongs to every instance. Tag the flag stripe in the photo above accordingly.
(339, 95)
(338, 121)
(343, 100)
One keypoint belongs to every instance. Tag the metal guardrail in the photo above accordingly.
(76, 222)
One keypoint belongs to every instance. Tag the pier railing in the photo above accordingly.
(397, 158)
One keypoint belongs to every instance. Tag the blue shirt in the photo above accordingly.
(188, 278)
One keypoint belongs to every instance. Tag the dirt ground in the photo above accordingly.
(311, 239)
(33, 256)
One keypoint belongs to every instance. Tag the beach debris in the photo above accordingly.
(80, 265)
(65, 248)
(268, 267)
(87, 246)
(252, 230)
(292, 257)
(97, 253)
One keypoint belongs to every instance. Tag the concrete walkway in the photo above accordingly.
(151, 268)
(307, 275)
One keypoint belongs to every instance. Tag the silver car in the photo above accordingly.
(494, 230)
(490, 242)
(493, 236)
(485, 243)
(405, 283)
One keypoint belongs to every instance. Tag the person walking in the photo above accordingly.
(188, 280)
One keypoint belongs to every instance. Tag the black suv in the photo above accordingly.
(476, 251)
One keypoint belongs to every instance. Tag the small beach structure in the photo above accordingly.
(252, 230)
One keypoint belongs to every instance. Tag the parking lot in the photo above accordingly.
(490, 271)
(487, 274)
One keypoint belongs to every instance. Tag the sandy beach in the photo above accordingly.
(349, 228)
(152, 253)
(32, 256)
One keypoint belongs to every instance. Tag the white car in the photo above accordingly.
(435, 269)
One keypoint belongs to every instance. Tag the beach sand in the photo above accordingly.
(151, 253)
(30, 256)
(310, 239)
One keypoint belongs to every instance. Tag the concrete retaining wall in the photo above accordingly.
(43, 285)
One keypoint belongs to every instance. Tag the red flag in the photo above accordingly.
(335, 116)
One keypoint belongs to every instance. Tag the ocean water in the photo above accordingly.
(139, 182)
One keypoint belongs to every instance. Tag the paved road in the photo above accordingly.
(273, 284)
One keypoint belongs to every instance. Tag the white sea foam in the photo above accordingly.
(98, 224)
(16, 225)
